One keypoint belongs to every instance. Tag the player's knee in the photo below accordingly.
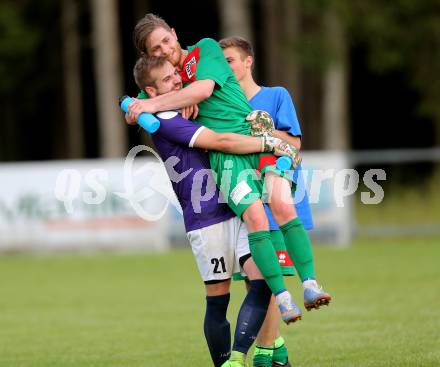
(251, 270)
(255, 220)
(218, 289)
(282, 212)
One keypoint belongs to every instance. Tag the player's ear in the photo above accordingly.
(151, 91)
(249, 61)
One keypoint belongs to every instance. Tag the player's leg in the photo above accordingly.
(261, 247)
(269, 334)
(270, 329)
(251, 315)
(264, 255)
(216, 326)
(254, 307)
(280, 354)
(215, 261)
(297, 242)
(242, 188)
(270, 348)
(296, 238)
(263, 353)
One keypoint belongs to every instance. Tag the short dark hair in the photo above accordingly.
(243, 45)
(144, 28)
(143, 68)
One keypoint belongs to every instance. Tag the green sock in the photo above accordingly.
(262, 357)
(280, 354)
(299, 248)
(265, 258)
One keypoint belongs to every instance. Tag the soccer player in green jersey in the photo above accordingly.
(211, 84)
(270, 349)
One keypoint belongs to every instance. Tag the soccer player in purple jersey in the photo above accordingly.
(218, 238)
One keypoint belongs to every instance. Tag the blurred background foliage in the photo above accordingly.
(363, 75)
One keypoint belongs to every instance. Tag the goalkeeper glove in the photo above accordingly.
(279, 147)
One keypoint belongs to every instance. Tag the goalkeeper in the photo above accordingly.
(277, 101)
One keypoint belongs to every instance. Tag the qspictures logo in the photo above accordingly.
(148, 190)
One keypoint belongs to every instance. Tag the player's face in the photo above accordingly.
(166, 78)
(238, 62)
(164, 43)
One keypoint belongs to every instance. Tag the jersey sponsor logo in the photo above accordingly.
(189, 68)
(239, 192)
(284, 259)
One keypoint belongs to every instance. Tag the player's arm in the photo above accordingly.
(284, 135)
(179, 130)
(188, 96)
(228, 142)
(187, 112)
(240, 144)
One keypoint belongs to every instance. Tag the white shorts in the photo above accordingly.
(218, 248)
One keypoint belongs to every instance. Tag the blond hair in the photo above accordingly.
(144, 28)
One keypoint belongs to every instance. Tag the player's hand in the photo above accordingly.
(130, 119)
(261, 123)
(285, 149)
(141, 105)
(190, 112)
(281, 148)
(269, 144)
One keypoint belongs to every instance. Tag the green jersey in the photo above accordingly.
(226, 109)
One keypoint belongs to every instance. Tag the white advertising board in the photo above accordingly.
(125, 204)
(86, 205)
(330, 183)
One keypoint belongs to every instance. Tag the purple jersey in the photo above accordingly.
(189, 171)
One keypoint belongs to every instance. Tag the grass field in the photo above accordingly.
(147, 310)
(422, 197)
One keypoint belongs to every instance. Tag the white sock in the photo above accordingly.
(310, 283)
(284, 298)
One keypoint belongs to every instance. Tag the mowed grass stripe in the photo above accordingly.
(147, 310)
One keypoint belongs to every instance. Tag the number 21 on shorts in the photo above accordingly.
(217, 262)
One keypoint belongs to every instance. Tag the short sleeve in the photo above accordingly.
(286, 118)
(212, 64)
(176, 129)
